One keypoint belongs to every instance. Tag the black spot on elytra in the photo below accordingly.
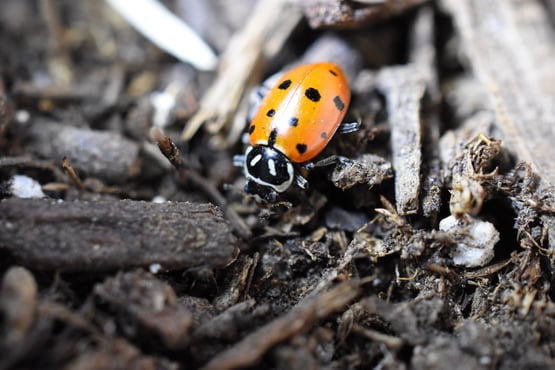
(312, 94)
(323, 135)
(271, 113)
(293, 121)
(338, 103)
(272, 138)
(284, 85)
(333, 72)
(251, 129)
(301, 148)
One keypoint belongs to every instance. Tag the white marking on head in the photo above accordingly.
(255, 160)
(272, 167)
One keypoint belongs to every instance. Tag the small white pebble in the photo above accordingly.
(159, 199)
(155, 268)
(22, 116)
(25, 187)
(485, 360)
(480, 239)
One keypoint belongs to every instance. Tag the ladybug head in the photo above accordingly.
(268, 172)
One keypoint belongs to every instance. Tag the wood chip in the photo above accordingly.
(423, 55)
(269, 22)
(107, 235)
(147, 305)
(106, 155)
(404, 88)
(339, 13)
(514, 58)
(369, 169)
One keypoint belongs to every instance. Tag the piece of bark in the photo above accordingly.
(423, 55)
(341, 14)
(241, 272)
(510, 47)
(227, 325)
(368, 169)
(105, 155)
(107, 235)
(430, 196)
(404, 88)
(423, 52)
(307, 313)
(188, 173)
(146, 307)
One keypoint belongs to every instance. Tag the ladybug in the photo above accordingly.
(293, 124)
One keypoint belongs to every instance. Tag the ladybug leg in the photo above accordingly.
(245, 139)
(238, 160)
(348, 127)
(301, 182)
(255, 98)
(331, 160)
(258, 93)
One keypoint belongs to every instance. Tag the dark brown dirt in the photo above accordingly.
(137, 260)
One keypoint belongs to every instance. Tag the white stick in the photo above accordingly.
(167, 31)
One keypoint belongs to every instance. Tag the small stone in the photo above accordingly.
(476, 240)
(25, 187)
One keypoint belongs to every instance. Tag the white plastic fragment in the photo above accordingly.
(479, 239)
(25, 187)
(167, 31)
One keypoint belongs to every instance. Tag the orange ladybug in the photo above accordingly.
(293, 124)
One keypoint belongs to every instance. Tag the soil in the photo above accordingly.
(425, 242)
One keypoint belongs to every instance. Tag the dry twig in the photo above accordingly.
(270, 21)
(187, 173)
(299, 319)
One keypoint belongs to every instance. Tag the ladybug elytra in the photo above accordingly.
(293, 124)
